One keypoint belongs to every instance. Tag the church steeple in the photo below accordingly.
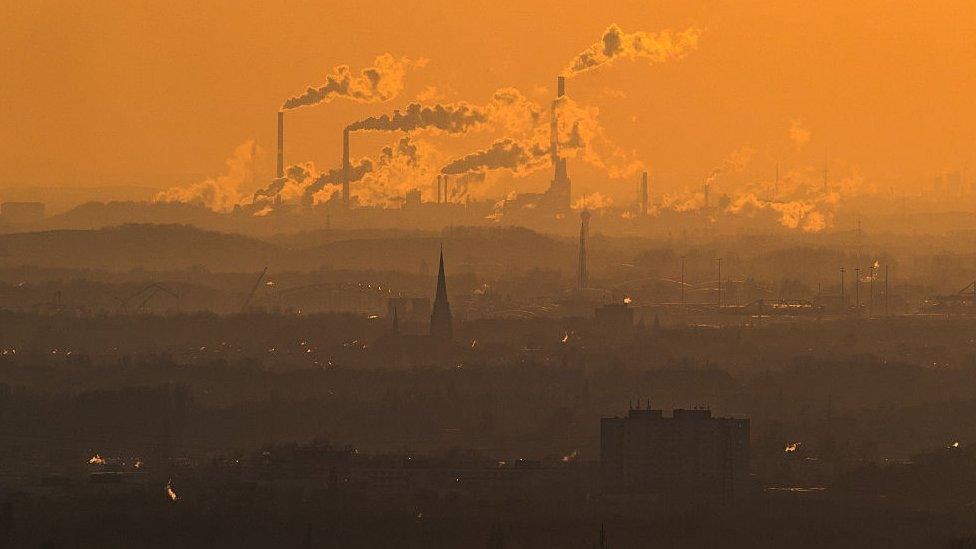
(441, 322)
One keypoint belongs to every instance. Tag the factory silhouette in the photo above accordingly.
(557, 198)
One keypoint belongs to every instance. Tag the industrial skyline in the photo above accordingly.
(672, 124)
(506, 275)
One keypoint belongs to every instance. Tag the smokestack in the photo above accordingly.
(438, 199)
(560, 190)
(281, 145)
(446, 199)
(642, 198)
(345, 166)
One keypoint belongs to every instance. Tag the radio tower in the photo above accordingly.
(584, 235)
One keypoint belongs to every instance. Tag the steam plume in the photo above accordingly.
(222, 193)
(380, 82)
(528, 149)
(520, 158)
(655, 47)
(451, 118)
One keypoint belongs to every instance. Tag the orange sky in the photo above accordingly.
(159, 93)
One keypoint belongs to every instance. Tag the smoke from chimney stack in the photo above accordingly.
(654, 47)
(380, 82)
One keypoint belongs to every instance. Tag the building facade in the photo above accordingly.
(687, 455)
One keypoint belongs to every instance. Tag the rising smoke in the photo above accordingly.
(508, 110)
(654, 47)
(526, 149)
(382, 81)
(520, 158)
(394, 172)
(223, 193)
(797, 201)
(451, 118)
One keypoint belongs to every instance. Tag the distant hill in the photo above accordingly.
(488, 251)
(62, 198)
(96, 215)
(150, 247)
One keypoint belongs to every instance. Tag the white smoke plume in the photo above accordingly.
(806, 214)
(507, 110)
(450, 118)
(797, 202)
(382, 81)
(396, 171)
(800, 201)
(518, 157)
(654, 47)
(526, 149)
(222, 193)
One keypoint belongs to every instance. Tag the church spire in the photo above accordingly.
(441, 322)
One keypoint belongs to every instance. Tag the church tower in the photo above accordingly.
(441, 322)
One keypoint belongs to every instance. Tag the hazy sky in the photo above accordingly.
(157, 93)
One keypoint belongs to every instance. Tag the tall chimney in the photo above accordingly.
(281, 145)
(445, 189)
(642, 200)
(345, 166)
(560, 187)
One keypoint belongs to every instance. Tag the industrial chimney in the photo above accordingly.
(281, 145)
(560, 188)
(642, 196)
(345, 166)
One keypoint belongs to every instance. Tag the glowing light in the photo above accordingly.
(96, 460)
(627, 301)
(570, 457)
(566, 337)
(791, 447)
(954, 444)
(170, 493)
